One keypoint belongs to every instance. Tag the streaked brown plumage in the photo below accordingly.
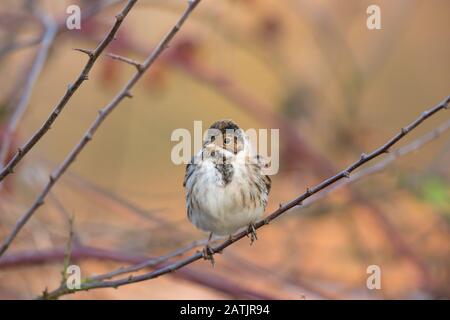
(225, 189)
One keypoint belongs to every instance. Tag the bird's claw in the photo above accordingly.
(208, 254)
(252, 233)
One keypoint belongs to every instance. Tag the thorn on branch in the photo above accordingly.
(90, 53)
(363, 156)
(404, 130)
(119, 17)
(134, 63)
(446, 102)
(128, 95)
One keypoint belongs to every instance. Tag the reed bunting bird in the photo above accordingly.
(225, 189)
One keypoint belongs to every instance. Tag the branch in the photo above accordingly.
(88, 13)
(401, 152)
(149, 263)
(169, 268)
(78, 253)
(50, 29)
(103, 113)
(298, 146)
(252, 105)
(93, 55)
(134, 63)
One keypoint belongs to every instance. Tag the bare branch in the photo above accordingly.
(88, 13)
(169, 268)
(8, 169)
(53, 255)
(401, 152)
(68, 253)
(216, 282)
(125, 92)
(134, 63)
(150, 262)
(300, 147)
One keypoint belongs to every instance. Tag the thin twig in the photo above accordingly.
(42, 257)
(134, 63)
(150, 262)
(50, 29)
(400, 152)
(72, 88)
(168, 268)
(68, 253)
(199, 277)
(88, 13)
(403, 151)
(76, 239)
(119, 200)
(102, 115)
(300, 147)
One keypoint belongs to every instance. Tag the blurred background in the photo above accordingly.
(312, 69)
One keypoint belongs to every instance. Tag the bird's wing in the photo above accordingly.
(190, 168)
(264, 162)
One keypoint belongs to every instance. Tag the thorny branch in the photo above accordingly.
(379, 166)
(102, 115)
(88, 13)
(297, 145)
(171, 267)
(216, 282)
(80, 252)
(72, 88)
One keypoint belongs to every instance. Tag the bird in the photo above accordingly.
(225, 187)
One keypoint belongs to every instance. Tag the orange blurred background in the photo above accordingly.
(312, 66)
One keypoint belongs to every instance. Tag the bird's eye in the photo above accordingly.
(227, 140)
(213, 138)
(213, 153)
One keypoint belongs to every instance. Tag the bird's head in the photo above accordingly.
(227, 135)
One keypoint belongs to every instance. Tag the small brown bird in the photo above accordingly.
(225, 189)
